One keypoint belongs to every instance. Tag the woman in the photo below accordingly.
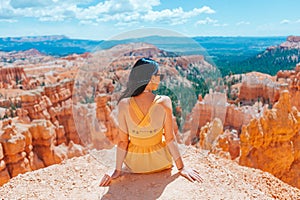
(146, 139)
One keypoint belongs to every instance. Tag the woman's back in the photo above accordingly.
(144, 101)
(147, 149)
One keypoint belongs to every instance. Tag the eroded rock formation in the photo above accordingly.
(27, 147)
(291, 42)
(11, 77)
(258, 87)
(43, 133)
(3, 170)
(213, 138)
(106, 121)
(215, 105)
(264, 88)
(271, 143)
(54, 104)
(294, 87)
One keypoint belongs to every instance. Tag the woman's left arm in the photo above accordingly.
(186, 172)
(123, 140)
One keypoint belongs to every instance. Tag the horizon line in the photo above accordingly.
(154, 35)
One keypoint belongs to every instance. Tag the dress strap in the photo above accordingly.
(137, 111)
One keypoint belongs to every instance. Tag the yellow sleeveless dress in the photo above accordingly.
(147, 151)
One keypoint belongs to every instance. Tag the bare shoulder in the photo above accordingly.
(166, 102)
(123, 103)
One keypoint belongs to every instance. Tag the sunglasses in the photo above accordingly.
(161, 76)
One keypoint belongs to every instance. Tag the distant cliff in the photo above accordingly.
(36, 38)
(292, 42)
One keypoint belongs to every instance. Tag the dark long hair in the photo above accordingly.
(139, 77)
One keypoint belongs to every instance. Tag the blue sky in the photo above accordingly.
(90, 19)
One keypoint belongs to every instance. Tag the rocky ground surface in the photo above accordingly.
(78, 178)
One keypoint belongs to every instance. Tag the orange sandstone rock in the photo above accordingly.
(270, 142)
(258, 86)
(14, 144)
(60, 135)
(23, 115)
(52, 103)
(103, 112)
(213, 138)
(35, 161)
(10, 75)
(4, 175)
(75, 150)
(20, 167)
(66, 119)
(215, 106)
(1, 152)
(210, 134)
(266, 88)
(43, 140)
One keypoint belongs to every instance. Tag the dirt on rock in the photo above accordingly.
(78, 178)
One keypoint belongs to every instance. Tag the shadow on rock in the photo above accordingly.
(140, 186)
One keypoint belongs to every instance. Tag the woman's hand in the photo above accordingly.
(105, 181)
(191, 174)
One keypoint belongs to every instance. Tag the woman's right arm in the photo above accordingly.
(122, 135)
(121, 147)
(186, 172)
(121, 150)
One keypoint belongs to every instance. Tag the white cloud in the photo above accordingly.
(91, 12)
(45, 3)
(55, 14)
(6, 14)
(76, 2)
(205, 9)
(175, 16)
(207, 20)
(6, 11)
(52, 18)
(88, 22)
(220, 25)
(285, 21)
(125, 24)
(242, 23)
(8, 20)
(116, 7)
(142, 5)
(120, 17)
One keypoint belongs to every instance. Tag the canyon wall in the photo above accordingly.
(268, 135)
(42, 134)
(213, 106)
(260, 87)
(271, 143)
(292, 42)
(13, 77)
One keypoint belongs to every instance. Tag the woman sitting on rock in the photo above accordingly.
(146, 138)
